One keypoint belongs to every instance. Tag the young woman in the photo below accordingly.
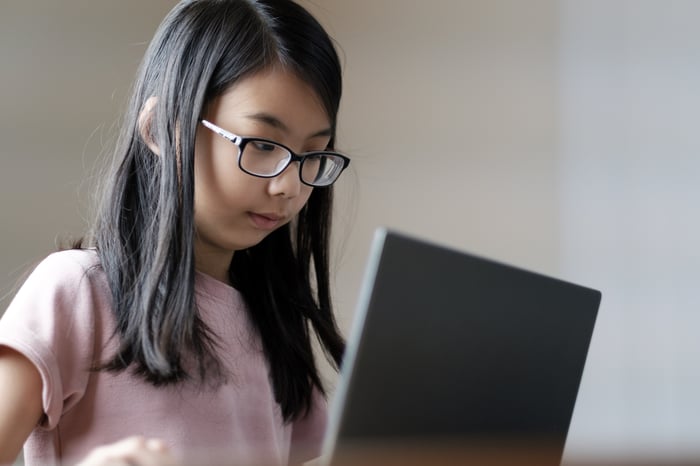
(190, 316)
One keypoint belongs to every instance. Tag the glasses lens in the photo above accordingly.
(322, 169)
(264, 158)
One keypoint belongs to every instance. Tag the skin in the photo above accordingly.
(233, 211)
(130, 451)
(20, 403)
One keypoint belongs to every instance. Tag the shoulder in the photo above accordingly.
(65, 269)
(63, 282)
(57, 306)
(54, 321)
(71, 262)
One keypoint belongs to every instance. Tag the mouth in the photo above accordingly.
(265, 221)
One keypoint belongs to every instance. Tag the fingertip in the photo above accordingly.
(156, 445)
(138, 440)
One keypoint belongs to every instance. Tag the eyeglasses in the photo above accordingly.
(266, 159)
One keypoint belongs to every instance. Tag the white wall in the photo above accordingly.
(629, 223)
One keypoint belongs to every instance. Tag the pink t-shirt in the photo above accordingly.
(61, 320)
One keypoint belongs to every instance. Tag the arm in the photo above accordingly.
(308, 432)
(21, 410)
(20, 402)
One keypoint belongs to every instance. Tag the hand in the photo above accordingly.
(132, 451)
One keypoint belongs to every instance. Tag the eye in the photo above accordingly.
(262, 146)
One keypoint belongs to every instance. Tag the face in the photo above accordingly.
(234, 210)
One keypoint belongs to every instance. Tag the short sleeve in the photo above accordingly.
(308, 432)
(51, 322)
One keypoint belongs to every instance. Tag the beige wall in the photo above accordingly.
(553, 134)
(450, 113)
(65, 70)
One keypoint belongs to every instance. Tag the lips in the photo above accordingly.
(265, 221)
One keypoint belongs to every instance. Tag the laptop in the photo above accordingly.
(459, 356)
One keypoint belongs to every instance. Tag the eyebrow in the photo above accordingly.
(275, 122)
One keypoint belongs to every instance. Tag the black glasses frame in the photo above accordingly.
(242, 141)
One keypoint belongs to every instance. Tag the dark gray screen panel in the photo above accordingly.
(458, 346)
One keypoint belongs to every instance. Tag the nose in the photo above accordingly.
(287, 184)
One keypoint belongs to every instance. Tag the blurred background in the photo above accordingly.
(556, 135)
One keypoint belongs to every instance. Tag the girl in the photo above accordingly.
(190, 318)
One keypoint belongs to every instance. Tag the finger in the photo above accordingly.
(156, 445)
(149, 457)
(131, 451)
(153, 452)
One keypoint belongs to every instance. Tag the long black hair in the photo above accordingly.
(145, 230)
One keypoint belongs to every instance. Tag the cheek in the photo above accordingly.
(303, 198)
(224, 189)
(216, 175)
(207, 182)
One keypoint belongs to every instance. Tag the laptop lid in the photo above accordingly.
(450, 347)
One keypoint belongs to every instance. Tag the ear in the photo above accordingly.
(145, 118)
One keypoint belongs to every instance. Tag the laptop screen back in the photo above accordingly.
(450, 346)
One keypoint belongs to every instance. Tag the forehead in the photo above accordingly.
(276, 92)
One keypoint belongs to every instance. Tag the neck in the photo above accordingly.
(216, 266)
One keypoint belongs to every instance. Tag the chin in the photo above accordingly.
(250, 242)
